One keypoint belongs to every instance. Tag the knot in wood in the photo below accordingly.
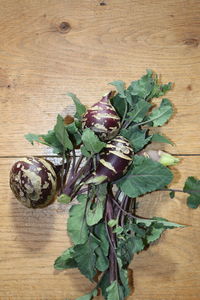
(64, 27)
(191, 42)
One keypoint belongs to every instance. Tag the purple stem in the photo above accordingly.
(113, 267)
(82, 191)
(78, 163)
(73, 163)
(71, 183)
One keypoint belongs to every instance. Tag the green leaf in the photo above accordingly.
(144, 175)
(31, 137)
(164, 88)
(125, 250)
(101, 234)
(193, 201)
(80, 108)
(85, 257)
(66, 260)
(85, 152)
(155, 234)
(140, 110)
(143, 87)
(156, 137)
(91, 141)
(159, 116)
(94, 212)
(115, 291)
(159, 221)
(63, 198)
(52, 141)
(119, 104)
(102, 262)
(61, 133)
(172, 194)
(48, 139)
(120, 86)
(148, 87)
(112, 222)
(76, 225)
(138, 245)
(104, 283)
(123, 274)
(192, 187)
(137, 137)
(74, 133)
(88, 296)
(118, 230)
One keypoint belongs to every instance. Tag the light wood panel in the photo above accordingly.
(41, 58)
(32, 239)
(51, 47)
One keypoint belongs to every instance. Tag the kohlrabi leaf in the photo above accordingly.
(63, 198)
(144, 175)
(164, 88)
(85, 257)
(172, 194)
(91, 141)
(88, 296)
(48, 139)
(118, 230)
(76, 225)
(159, 221)
(156, 137)
(31, 137)
(74, 133)
(66, 260)
(102, 262)
(128, 246)
(120, 86)
(137, 244)
(94, 211)
(80, 108)
(148, 87)
(123, 274)
(101, 234)
(119, 104)
(84, 151)
(104, 283)
(140, 233)
(155, 227)
(139, 111)
(192, 187)
(159, 116)
(53, 142)
(61, 133)
(142, 88)
(154, 234)
(113, 222)
(115, 291)
(137, 137)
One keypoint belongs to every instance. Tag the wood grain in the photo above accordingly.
(41, 60)
(32, 239)
(51, 47)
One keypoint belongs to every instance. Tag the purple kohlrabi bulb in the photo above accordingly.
(33, 181)
(102, 119)
(115, 159)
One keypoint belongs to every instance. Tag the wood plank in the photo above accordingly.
(49, 48)
(32, 239)
(42, 58)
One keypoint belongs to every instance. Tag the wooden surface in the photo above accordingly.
(50, 47)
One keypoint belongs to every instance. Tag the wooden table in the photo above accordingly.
(50, 47)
